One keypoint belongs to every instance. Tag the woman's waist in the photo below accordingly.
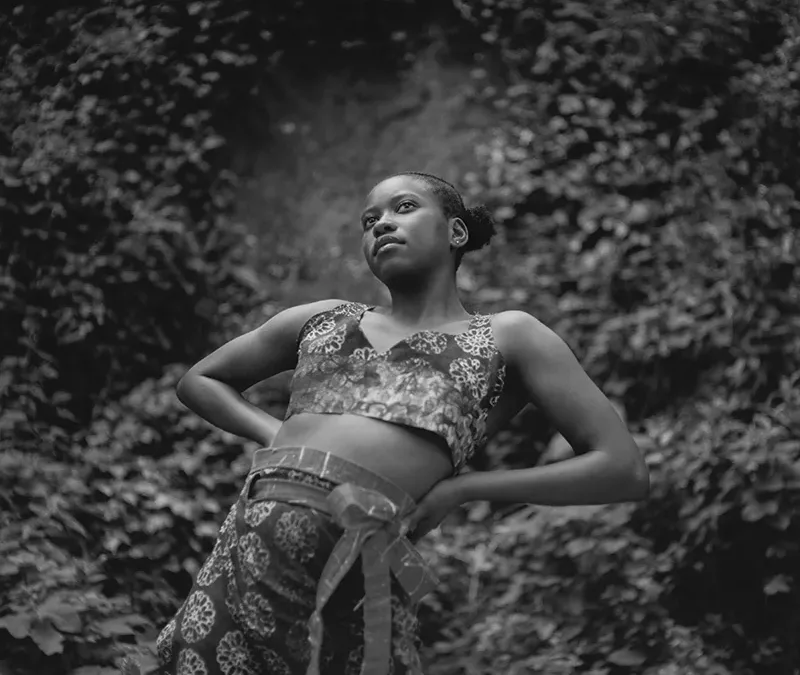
(330, 469)
(399, 454)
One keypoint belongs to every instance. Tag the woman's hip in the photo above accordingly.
(311, 540)
(312, 515)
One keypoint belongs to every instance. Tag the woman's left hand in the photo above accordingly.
(432, 509)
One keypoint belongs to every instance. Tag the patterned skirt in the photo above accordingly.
(280, 560)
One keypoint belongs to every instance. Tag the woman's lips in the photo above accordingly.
(390, 245)
(383, 241)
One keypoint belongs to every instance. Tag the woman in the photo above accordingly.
(387, 406)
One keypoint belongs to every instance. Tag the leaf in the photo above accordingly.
(67, 621)
(612, 546)
(513, 593)
(130, 667)
(753, 511)
(577, 547)
(478, 512)
(105, 146)
(64, 616)
(120, 625)
(778, 584)
(72, 524)
(11, 417)
(17, 624)
(627, 657)
(44, 634)
(6, 379)
(8, 569)
(212, 142)
(545, 628)
(147, 656)
(226, 56)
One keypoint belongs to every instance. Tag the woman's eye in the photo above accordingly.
(368, 221)
(402, 204)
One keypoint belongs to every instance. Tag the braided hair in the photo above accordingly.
(478, 219)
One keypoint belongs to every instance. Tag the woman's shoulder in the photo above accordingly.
(313, 307)
(335, 305)
(291, 319)
(519, 333)
(311, 313)
(324, 305)
(516, 319)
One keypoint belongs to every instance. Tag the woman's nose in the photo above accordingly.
(383, 226)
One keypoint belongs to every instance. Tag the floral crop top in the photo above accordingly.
(443, 383)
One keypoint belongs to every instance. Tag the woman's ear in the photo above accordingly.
(459, 234)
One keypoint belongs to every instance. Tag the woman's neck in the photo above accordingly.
(427, 305)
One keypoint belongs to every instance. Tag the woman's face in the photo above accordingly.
(404, 230)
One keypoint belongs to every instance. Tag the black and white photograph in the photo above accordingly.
(400, 337)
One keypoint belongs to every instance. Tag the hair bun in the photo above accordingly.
(481, 227)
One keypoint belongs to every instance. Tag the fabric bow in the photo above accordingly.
(371, 524)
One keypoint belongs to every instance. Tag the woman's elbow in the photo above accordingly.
(184, 387)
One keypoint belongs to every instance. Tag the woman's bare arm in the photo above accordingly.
(213, 387)
(608, 467)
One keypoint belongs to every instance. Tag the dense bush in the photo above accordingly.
(101, 540)
(119, 258)
(651, 218)
(664, 211)
(114, 183)
(645, 179)
(548, 591)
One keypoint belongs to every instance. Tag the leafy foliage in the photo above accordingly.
(643, 189)
(666, 237)
(568, 588)
(119, 258)
(97, 545)
(645, 179)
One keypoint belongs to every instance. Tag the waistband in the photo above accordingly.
(331, 467)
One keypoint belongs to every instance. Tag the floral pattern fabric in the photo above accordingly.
(446, 384)
(248, 610)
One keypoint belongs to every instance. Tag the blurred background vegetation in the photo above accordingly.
(174, 173)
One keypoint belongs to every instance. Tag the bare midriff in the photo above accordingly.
(414, 460)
